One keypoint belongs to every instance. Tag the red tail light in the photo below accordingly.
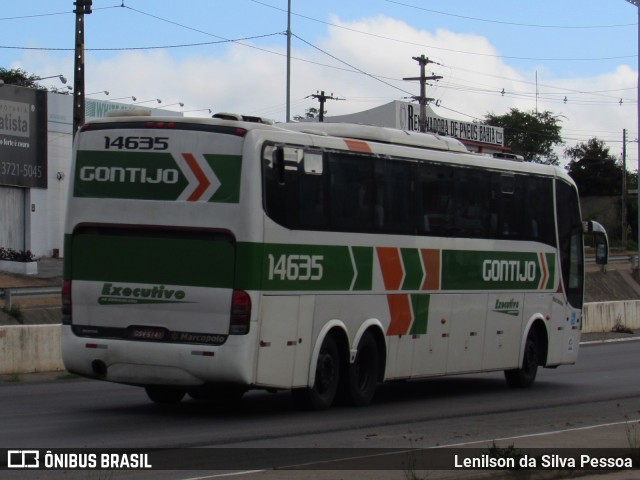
(66, 302)
(240, 313)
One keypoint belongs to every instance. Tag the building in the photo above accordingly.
(35, 162)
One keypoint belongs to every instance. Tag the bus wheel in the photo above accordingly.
(160, 394)
(364, 372)
(524, 376)
(323, 392)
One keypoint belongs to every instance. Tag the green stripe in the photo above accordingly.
(420, 305)
(132, 175)
(198, 261)
(551, 265)
(413, 272)
(469, 270)
(291, 267)
(153, 260)
(363, 257)
(149, 176)
(227, 168)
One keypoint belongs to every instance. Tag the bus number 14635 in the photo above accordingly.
(295, 267)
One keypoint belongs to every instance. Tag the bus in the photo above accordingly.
(212, 256)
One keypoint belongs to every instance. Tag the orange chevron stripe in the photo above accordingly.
(391, 266)
(545, 272)
(357, 145)
(401, 316)
(203, 181)
(431, 263)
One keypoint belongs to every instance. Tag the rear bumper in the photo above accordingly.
(150, 363)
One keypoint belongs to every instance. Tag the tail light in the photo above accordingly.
(66, 302)
(240, 313)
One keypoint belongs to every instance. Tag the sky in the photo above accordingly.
(575, 58)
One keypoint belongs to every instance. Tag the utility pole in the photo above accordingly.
(624, 188)
(83, 7)
(322, 98)
(636, 3)
(288, 93)
(422, 99)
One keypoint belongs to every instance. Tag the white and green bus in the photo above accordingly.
(212, 256)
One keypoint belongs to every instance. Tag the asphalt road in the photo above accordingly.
(602, 389)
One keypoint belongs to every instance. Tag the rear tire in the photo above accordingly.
(325, 386)
(364, 372)
(524, 376)
(165, 395)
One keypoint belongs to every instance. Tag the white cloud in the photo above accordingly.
(249, 80)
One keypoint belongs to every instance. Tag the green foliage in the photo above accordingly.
(310, 113)
(594, 169)
(17, 76)
(530, 134)
(11, 378)
(16, 255)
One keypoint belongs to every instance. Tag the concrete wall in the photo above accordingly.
(30, 348)
(603, 316)
(36, 348)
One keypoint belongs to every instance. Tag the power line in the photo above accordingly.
(378, 79)
(477, 19)
(115, 49)
(433, 47)
(37, 15)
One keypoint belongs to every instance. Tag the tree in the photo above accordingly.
(17, 76)
(594, 169)
(310, 113)
(530, 134)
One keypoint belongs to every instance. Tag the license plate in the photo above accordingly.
(148, 333)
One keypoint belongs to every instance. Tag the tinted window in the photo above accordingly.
(359, 192)
(570, 242)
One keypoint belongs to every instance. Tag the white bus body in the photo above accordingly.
(210, 256)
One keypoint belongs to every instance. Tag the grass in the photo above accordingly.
(11, 378)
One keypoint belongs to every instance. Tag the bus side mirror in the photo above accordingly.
(600, 239)
(602, 248)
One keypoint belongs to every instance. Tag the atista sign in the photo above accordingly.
(23, 137)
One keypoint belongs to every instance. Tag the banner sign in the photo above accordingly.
(23, 136)
(409, 119)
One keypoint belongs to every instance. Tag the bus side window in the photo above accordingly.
(393, 194)
(352, 192)
(434, 191)
(280, 179)
(472, 197)
(311, 192)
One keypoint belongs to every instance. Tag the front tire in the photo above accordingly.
(524, 376)
(325, 386)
